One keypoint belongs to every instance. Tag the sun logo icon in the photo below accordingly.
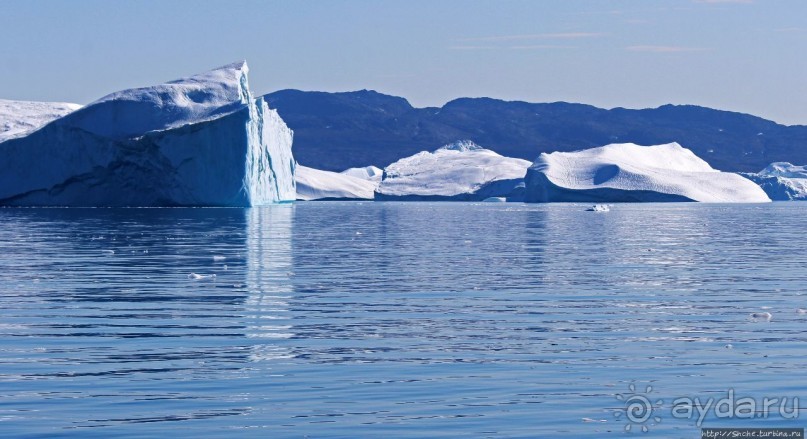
(638, 410)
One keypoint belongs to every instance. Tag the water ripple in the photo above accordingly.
(402, 319)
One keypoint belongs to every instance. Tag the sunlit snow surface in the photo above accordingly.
(462, 170)
(629, 172)
(18, 118)
(372, 173)
(198, 141)
(782, 181)
(315, 184)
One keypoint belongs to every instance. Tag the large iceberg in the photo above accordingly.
(782, 181)
(19, 118)
(459, 171)
(197, 141)
(315, 184)
(628, 172)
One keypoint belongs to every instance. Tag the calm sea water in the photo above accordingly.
(395, 319)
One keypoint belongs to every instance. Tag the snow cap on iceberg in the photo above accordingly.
(197, 141)
(630, 172)
(461, 146)
(784, 169)
(461, 170)
(782, 181)
(371, 173)
(195, 99)
(19, 118)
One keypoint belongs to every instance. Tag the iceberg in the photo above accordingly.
(198, 141)
(628, 172)
(458, 171)
(19, 118)
(315, 184)
(599, 208)
(370, 173)
(782, 181)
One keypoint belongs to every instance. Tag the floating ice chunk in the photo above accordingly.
(219, 258)
(599, 208)
(762, 316)
(801, 311)
(195, 276)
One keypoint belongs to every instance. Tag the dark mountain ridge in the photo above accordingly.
(335, 131)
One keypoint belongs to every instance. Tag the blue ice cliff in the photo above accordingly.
(198, 141)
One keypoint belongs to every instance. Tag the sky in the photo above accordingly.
(738, 55)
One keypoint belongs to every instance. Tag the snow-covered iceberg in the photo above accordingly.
(628, 172)
(782, 181)
(370, 173)
(459, 171)
(18, 118)
(197, 141)
(315, 184)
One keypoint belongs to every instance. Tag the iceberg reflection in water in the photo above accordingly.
(269, 269)
(402, 319)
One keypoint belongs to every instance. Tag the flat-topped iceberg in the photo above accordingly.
(315, 184)
(197, 141)
(628, 172)
(459, 171)
(782, 181)
(19, 118)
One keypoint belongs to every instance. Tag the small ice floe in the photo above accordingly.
(762, 316)
(195, 276)
(729, 346)
(495, 200)
(599, 208)
(108, 252)
(219, 258)
(801, 311)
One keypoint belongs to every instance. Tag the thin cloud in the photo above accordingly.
(540, 46)
(472, 47)
(547, 36)
(516, 47)
(665, 49)
(724, 1)
(790, 29)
